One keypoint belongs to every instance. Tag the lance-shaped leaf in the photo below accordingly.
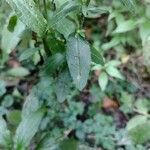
(27, 129)
(26, 54)
(65, 27)
(63, 86)
(94, 12)
(2, 88)
(62, 12)
(103, 80)
(4, 133)
(10, 39)
(139, 129)
(29, 15)
(130, 4)
(97, 56)
(54, 62)
(79, 60)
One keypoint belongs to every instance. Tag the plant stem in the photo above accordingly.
(46, 48)
(45, 9)
(88, 2)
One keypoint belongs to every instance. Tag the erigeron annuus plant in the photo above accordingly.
(53, 36)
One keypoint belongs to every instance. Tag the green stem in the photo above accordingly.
(46, 48)
(88, 2)
(45, 9)
(38, 4)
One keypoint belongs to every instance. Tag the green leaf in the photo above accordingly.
(130, 4)
(50, 142)
(141, 133)
(3, 110)
(14, 117)
(97, 56)
(2, 88)
(7, 101)
(31, 104)
(58, 45)
(146, 53)
(113, 63)
(126, 102)
(26, 54)
(143, 106)
(114, 72)
(145, 32)
(65, 27)
(30, 15)
(54, 62)
(66, 144)
(103, 80)
(12, 23)
(139, 129)
(61, 13)
(114, 42)
(10, 39)
(79, 60)
(28, 128)
(37, 95)
(18, 72)
(125, 26)
(97, 67)
(4, 133)
(63, 86)
(94, 12)
(135, 121)
(59, 3)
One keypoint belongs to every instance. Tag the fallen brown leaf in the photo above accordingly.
(109, 103)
